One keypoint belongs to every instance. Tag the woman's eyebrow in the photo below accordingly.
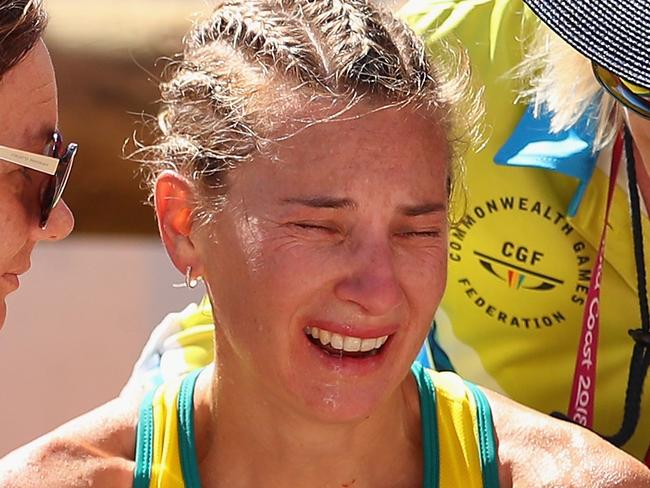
(321, 202)
(422, 209)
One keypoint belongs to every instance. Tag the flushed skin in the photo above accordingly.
(333, 225)
(97, 450)
(263, 235)
(29, 115)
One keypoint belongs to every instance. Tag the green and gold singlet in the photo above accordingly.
(457, 434)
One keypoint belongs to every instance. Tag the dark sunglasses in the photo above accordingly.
(54, 162)
(634, 97)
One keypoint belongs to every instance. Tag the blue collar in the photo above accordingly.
(570, 152)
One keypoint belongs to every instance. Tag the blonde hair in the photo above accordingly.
(561, 81)
(248, 68)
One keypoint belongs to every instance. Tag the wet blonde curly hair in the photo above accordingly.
(249, 70)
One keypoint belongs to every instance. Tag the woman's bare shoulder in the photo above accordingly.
(535, 449)
(96, 449)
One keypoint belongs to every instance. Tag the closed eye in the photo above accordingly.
(310, 226)
(431, 233)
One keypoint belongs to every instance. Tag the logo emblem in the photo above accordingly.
(517, 277)
(517, 261)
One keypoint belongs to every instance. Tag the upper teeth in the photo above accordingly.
(345, 343)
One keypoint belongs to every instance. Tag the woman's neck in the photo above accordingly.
(256, 440)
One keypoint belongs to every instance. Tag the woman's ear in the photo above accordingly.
(174, 205)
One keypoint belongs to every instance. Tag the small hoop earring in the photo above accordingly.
(189, 281)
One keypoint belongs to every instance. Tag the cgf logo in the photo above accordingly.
(538, 254)
(518, 275)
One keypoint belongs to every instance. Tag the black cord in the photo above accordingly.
(637, 233)
(641, 353)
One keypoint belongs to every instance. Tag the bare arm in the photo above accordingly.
(95, 449)
(536, 450)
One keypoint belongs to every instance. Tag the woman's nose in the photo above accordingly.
(59, 225)
(372, 282)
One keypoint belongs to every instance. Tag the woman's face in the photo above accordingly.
(327, 263)
(29, 115)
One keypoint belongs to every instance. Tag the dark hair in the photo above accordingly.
(252, 67)
(22, 23)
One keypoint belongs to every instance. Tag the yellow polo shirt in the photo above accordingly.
(519, 266)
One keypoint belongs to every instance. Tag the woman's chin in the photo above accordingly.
(339, 387)
(344, 403)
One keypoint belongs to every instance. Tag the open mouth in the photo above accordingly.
(345, 346)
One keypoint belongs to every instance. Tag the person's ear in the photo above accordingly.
(174, 205)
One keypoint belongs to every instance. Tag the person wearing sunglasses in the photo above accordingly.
(320, 232)
(547, 300)
(34, 162)
(609, 49)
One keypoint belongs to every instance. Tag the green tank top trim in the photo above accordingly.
(186, 431)
(486, 440)
(144, 443)
(430, 440)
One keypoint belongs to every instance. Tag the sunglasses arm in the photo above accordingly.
(37, 162)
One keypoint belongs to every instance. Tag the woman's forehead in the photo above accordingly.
(373, 152)
(368, 131)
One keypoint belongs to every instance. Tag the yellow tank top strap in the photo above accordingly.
(158, 462)
(166, 465)
(458, 445)
(458, 440)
